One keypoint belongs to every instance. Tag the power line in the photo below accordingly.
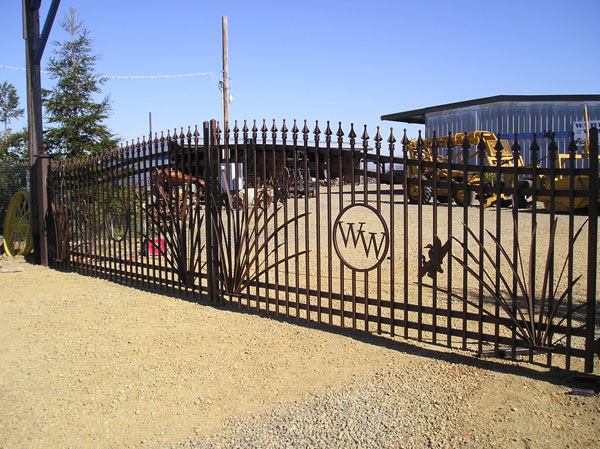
(124, 77)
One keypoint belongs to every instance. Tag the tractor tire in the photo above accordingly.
(414, 193)
(522, 200)
(462, 199)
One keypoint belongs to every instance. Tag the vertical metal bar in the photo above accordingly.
(198, 175)
(378, 140)
(296, 228)
(131, 238)
(190, 185)
(217, 228)
(276, 187)
(152, 205)
(405, 229)
(516, 148)
(481, 148)
(163, 271)
(434, 153)
(329, 178)
(465, 153)
(119, 187)
(102, 198)
(208, 209)
(247, 204)
(352, 136)
(552, 149)
(115, 193)
(79, 222)
(305, 132)
(138, 210)
(238, 196)
(365, 148)
(572, 150)
(256, 213)
(450, 148)
(96, 220)
(184, 217)
(265, 216)
(391, 141)
(129, 210)
(420, 180)
(499, 149)
(228, 206)
(96, 176)
(85, 269)
(285, 185)
(316, 133)
(532, 250)
(106, 195)
(171, 274)
(340, 135)
(592, 263)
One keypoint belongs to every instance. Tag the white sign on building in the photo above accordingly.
(580, 131)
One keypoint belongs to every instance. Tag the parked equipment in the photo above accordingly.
(563, 182)
(495, 150)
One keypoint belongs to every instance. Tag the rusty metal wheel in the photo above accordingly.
(17, 230)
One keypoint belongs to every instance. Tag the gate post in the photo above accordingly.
(208, 210)
(211, 169)
(590, 343)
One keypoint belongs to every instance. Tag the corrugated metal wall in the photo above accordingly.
(505, 119)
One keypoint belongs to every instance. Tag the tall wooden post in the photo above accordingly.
(37, 163)
(225, 76)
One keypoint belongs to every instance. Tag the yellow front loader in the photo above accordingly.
(563, 182)
(457, 177)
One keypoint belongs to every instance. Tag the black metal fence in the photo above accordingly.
(305, 224)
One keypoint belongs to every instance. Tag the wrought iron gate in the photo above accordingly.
(328, 227)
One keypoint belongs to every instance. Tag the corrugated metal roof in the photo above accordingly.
(419, 115)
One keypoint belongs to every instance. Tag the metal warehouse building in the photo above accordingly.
(505, 115)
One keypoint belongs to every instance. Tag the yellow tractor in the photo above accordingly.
(563, 182)
(457, 177)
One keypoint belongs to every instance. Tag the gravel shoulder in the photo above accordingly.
(87, 363)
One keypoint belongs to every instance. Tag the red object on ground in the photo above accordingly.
(156, 247)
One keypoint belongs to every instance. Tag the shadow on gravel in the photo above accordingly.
(551, 375)
(409, 346)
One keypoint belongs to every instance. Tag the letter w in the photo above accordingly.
(355, 235)
(373, 243)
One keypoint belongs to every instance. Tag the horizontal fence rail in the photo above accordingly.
(451, 240)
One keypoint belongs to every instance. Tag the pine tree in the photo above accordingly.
(9, 106)
(74, 117)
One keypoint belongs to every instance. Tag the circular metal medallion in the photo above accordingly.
(361, 237)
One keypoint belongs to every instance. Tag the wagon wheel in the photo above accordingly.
(17, 232)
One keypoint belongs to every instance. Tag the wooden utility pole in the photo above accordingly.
(38, 198)
(225, 76)
(38, 161)
(31, 34)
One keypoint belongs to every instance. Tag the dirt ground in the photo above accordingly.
(86, 363)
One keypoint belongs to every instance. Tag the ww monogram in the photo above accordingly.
(357, 236)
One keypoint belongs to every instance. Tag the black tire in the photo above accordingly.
(461, 198)
(414, 193)
(522, 199)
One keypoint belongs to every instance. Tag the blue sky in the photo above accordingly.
(320, 60)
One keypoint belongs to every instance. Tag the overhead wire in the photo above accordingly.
(122, 77)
